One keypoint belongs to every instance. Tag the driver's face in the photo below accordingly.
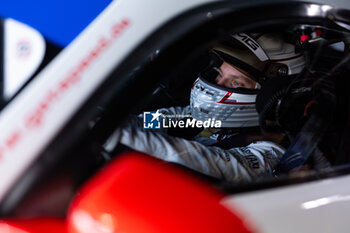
(232, 77)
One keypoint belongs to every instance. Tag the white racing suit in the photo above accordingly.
(248, 163)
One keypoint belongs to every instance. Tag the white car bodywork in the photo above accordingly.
(24, 48)
(319, 206)
(39, 112)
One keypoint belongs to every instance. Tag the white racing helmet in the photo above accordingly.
(261, 57)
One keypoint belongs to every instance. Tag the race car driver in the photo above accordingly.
(226, 92)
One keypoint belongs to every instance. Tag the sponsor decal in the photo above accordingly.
(251, 159)
(248, 41)
(35, 118)
(23, 49)
(74, 76)
(301, 90)
(252, 45)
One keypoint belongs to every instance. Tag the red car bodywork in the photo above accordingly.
(137, 193)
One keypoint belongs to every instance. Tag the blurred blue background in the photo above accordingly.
(60, 21)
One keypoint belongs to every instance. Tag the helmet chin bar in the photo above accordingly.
(235, 108)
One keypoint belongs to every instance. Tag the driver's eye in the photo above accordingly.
(236, 84)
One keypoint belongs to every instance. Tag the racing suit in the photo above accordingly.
(238, 164)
